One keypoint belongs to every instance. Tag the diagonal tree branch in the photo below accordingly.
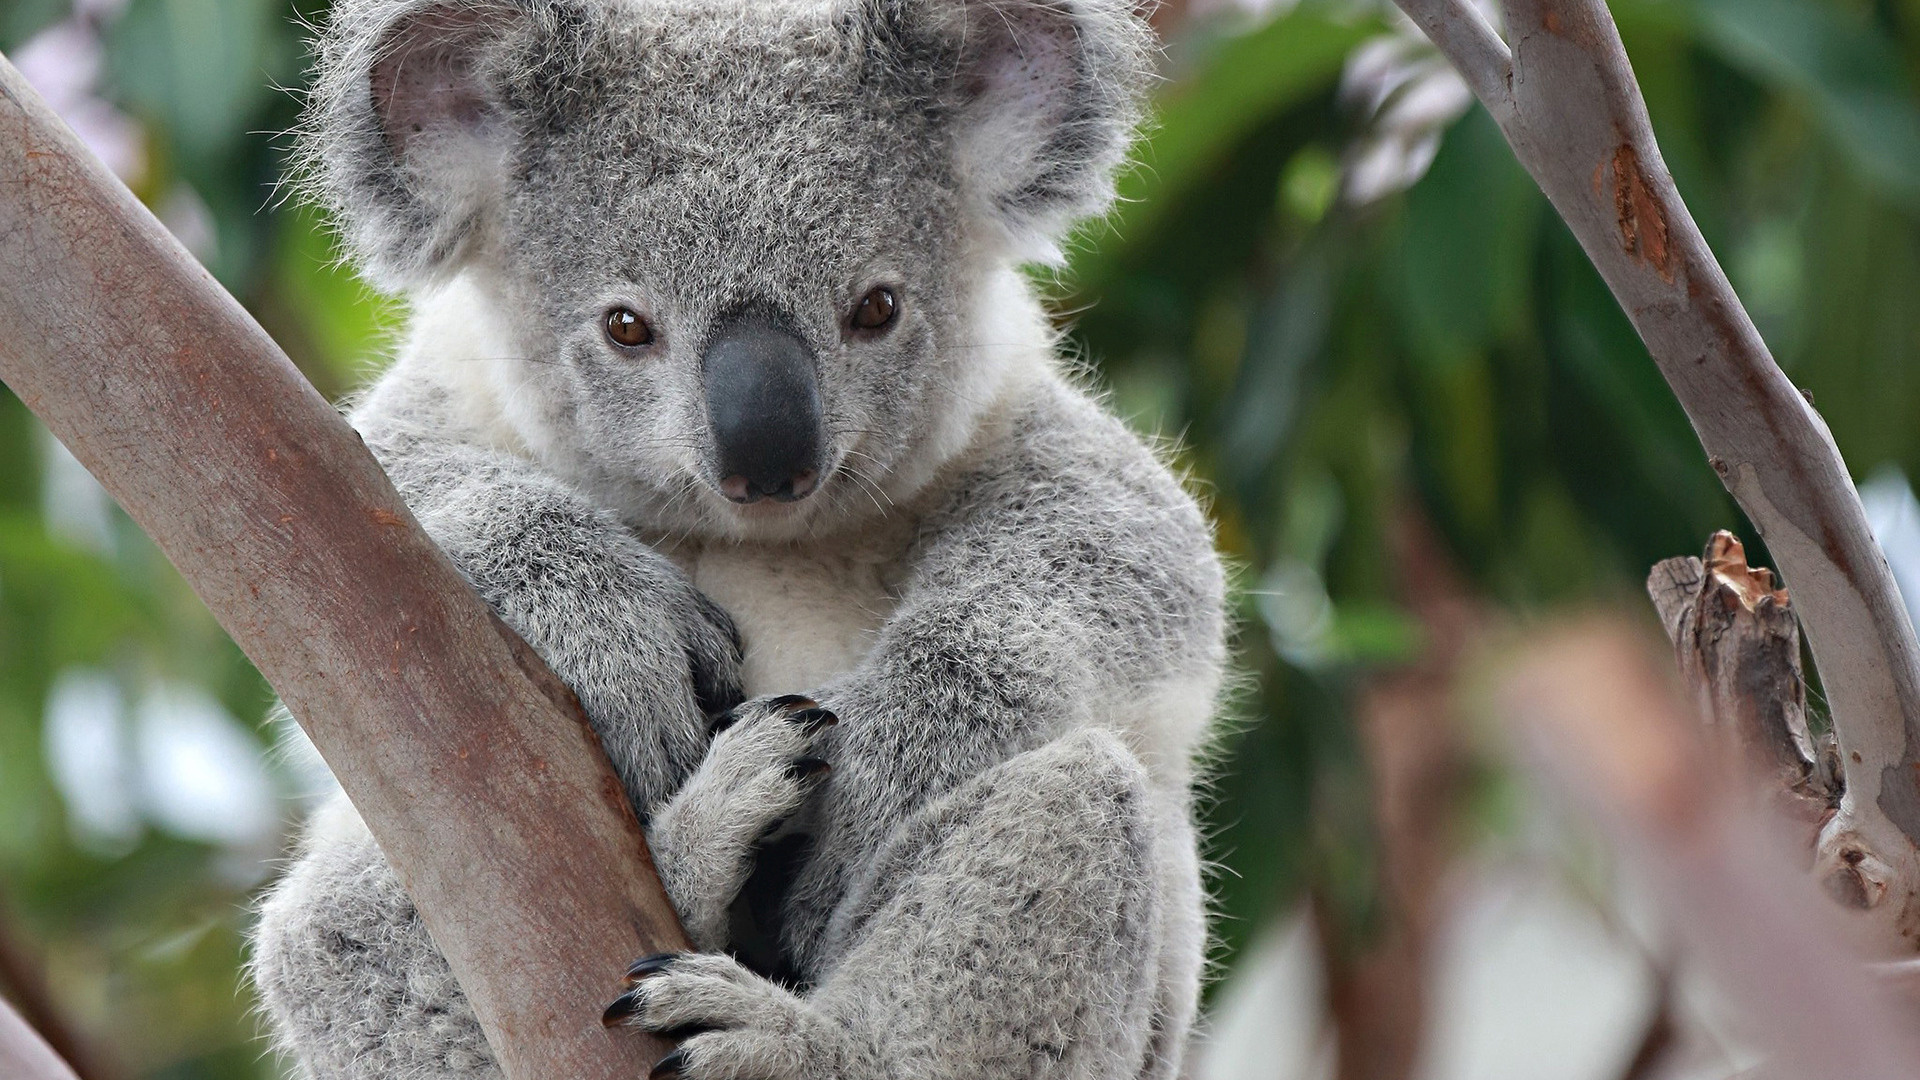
(1576, 120)
(24, 1055)
(473, 766)
(22, 979)
(1598, 719)
(1458, 29)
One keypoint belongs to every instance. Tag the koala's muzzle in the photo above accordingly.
(763, 402)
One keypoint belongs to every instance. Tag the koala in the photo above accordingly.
(724, 385)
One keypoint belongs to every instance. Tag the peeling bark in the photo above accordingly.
(1737, 645)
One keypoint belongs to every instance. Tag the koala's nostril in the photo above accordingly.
(799, 487)
(742, 490)
(737, 489)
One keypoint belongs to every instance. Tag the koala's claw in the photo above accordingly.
(813, 718)
(669, 1065)
(807, 767)
(735, 1025)
(796, 707)
(649, 965)
(620, 1011)
(626, 1005)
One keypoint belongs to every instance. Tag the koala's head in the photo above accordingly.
(743, 253)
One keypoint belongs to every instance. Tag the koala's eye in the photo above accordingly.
(876, 310)
(627, 329)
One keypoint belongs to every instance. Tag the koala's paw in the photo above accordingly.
(734, 1025)
(758, 772)
(759, 769)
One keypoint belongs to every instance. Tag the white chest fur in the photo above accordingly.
(805, 614)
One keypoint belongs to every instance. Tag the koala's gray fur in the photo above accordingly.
(1010, 606)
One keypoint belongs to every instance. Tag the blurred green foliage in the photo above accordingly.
(1327, 363)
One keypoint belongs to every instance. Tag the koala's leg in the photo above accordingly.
(1016, 927)
(350, 982)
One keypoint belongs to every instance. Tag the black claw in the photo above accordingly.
(686, 1031)
(669, 1065)
(813, 719)
(622, 1009)
(802, 768)
(791, 701)
(650, 965)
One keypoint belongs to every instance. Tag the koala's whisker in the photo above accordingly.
(871, 483)
(858, 432)
(678, 442)
(679, 500)
(863, 485)
(880, 467)
(851, 452)
(986, 345)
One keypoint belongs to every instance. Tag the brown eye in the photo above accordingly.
(875, 310)
(627, 329)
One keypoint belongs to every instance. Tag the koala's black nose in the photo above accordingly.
(763, 401)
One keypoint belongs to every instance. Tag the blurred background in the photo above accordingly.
(1421, 421)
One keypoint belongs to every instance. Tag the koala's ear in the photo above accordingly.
(407, 134)
(1048, 95)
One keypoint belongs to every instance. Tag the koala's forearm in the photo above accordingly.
(648, 655)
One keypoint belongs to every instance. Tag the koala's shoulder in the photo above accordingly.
(1059, 448)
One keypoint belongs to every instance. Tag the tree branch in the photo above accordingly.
(1601, 722)
(1577, 122)
(1458, 29)
(1380, 995)
(473, 766)
(22, 980)
(24, 1055)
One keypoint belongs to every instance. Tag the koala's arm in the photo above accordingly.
(649, 656)
(1069, 582)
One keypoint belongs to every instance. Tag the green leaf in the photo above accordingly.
(1837, 62)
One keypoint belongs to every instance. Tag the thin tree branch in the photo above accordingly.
(24, 1055)
(1458, 29)
(473, 766)
(1577, 122)
(1380, 994)
(1658, 1040)
(23, 980)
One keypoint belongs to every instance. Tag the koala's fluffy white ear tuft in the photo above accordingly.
(406, 132)
(1049, 95)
